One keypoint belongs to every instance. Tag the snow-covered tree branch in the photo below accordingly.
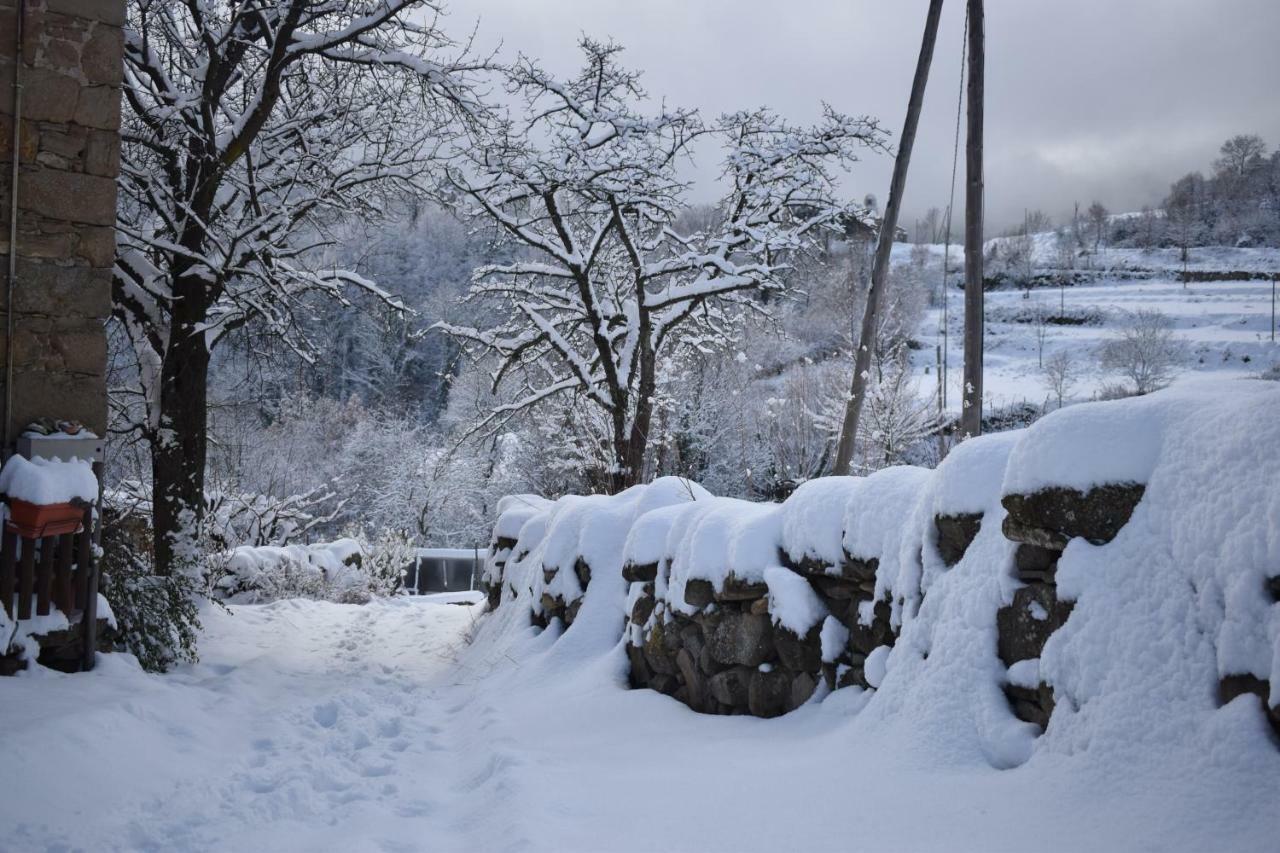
(249, 129)
(588, 189)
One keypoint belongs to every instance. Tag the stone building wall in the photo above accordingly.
(69, 156)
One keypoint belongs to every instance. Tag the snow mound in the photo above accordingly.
(48, 481)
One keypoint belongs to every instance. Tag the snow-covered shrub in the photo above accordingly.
(384, 559)
(251, 518)
(156, 615)
(350, 570)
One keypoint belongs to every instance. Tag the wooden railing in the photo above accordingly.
(52, 571)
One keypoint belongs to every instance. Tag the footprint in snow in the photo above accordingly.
(325, 714)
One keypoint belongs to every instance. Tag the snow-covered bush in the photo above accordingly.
(157, 616)
(251, 518)
(345, 570)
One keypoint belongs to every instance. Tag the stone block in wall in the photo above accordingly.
(660, 648)
(28, 140)
(62, 147)
(799, 653)
(768, 692)
(731, 686)
(1231, 687)
(955, 534)
(58, 345)
(49, 96)
(98, 107)
(698, 592)
(63, 243)
(102, 153)
(640, 674)
(101, 56)
(744, 639)
(1024, 626)
(1034, 705)
(38, 393)
(1052, 517)
(68, 196)
(737, 589)
(1035, 564)
(802, 687)
(642, 609)
(640, 572)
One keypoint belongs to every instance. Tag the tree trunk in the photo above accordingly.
(178, 453)
(631, 453)
(971, 411)
(884, 244)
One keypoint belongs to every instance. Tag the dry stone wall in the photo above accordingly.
(69, 158)
(988, 573)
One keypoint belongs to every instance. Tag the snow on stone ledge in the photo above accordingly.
(514, 511)
(732, 537)
(813, 519)
(1118, 441)
(48, 481)
(792, 602)
(969, 479)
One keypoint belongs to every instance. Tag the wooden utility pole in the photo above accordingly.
(971, 411)
(884, 243)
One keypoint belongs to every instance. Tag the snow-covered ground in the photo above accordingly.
(318, 726)
(1225, 327)
(306, 726)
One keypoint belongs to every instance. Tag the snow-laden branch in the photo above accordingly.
(587, 191)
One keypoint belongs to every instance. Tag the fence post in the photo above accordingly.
(90, 617)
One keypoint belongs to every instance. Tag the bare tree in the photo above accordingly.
(1060, 374)
(1145, 351)
(1239, 154)
(1040, 321)
(1037, 221)
(1098, 215)
(588, 189)
(929, 229)
(248, 128)
(1186, 213)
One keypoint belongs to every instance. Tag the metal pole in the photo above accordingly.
(15, 157)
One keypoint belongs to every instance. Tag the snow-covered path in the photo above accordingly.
(307, 726)
(314, 726)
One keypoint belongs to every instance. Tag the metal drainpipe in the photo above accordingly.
(15, 156)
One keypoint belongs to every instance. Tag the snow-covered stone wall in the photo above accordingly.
(1111, 571)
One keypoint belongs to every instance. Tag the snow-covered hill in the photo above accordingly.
(1224, 326)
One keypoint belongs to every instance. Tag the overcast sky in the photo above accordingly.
(1106, 99)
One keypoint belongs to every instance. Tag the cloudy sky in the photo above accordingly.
(1106, 99)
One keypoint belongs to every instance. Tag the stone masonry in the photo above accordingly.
(69, 158)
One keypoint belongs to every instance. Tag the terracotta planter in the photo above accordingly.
(34, 521)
